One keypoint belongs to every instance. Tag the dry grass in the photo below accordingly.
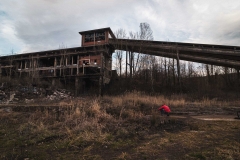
(118, 127)
(146, 103)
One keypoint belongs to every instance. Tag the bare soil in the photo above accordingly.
(50, 132)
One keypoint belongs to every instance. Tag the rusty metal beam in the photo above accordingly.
(228, 56)
(206, 60)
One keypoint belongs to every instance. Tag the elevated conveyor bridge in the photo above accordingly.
(220, 55)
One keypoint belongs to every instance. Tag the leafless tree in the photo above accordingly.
(120, 33)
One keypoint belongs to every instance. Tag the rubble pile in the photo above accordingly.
(3, 96)
(26, 94)
(59, 95)
(31, 94)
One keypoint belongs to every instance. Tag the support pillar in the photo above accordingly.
(130, 64)
(10, 70)
(101, 77)
(76, 86)
(34, 67)
(61, 61)
(126, 62)
(0, 71)
(178, 70)
(53, 82)
(20, 69)
(100, 85)
(55, 65)
(71, 67)
(77, 65)
(238, 77)
(30, 67)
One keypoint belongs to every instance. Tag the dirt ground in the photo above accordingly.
(43, 132)
(209, 117)
(217, 118)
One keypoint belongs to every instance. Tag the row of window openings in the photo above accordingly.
(85, 62)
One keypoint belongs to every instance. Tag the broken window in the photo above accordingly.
(89, 37)
(86, 62)
(99, 36)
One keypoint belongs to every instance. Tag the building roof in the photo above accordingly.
(101, 29)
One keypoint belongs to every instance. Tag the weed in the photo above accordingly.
(118, 127)
(123, 156)
(199, 156)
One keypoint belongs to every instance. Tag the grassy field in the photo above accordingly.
(120, 127)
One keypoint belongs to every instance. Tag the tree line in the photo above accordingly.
(154, 74)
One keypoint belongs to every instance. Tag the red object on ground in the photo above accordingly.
(165, 107)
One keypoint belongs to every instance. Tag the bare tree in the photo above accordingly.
(146, 32)
(137, 60)
(120, 33)
(149, 61)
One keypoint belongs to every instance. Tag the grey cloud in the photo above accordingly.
(45, 24)
(53, 23)
(233, 35)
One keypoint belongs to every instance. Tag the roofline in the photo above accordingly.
(101, 29)
(40, 52)
(182, 43)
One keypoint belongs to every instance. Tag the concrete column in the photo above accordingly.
(10, 69)
(30, 67)
(34, 67)
(76, 86)
(101, 77)
(100, 85)
(0, 71)
(55, 65)
(53, 82)
(238, 77)
(126, 62)
(20, 70)
(66, 69)
(178, 69)
(77, 65)
(61, 61)
(71, 67)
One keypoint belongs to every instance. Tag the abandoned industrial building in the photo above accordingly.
(90, 66)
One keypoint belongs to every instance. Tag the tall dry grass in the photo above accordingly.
(136, 98)
(77, 120)
(88, 124)
(88, 118)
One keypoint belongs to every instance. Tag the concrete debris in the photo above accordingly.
(29, 100)
(31, 94)
(8, 109)
(11, 97)
(2, 96)
(59, 95)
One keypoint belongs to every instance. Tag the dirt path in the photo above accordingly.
(217, 118)
(210, 117)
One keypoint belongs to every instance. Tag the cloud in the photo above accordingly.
(211, 22)
(45, 24)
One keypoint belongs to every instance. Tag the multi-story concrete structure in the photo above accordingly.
(88, 65)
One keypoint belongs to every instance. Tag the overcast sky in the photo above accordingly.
(37, 25)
